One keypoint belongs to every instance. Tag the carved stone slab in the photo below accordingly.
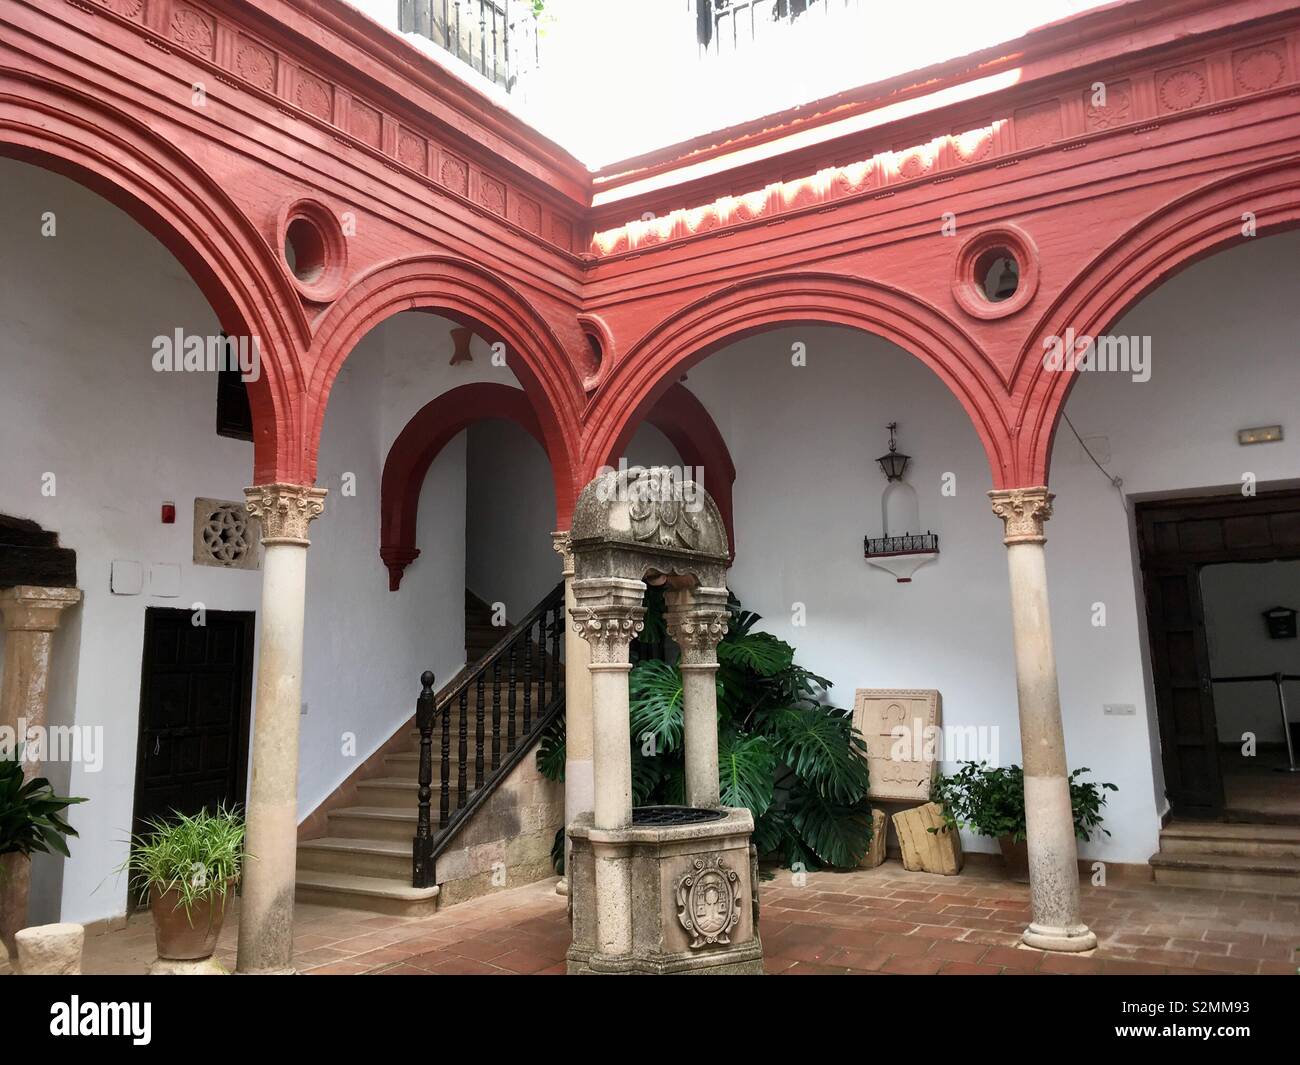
(901, 770)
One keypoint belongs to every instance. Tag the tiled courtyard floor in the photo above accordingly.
(883, 920)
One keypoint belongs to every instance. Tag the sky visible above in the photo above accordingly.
(618, 78)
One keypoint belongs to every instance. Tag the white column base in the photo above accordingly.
(1073, 940)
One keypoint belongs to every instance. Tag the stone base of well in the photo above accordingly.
(682, 899)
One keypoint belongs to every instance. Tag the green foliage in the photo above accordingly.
(991, 801)
(201, 856)
(30, 812)
(795, 762)
(550, 750)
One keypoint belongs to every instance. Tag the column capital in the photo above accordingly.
(696, 619)
(285, 510)
(34, 608)
(562, 543)
(609, 613)
(1024, 512)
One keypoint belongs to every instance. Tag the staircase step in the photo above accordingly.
(393, 896)
(379, 822)
(1217, 837)
(383, 858)
(402, 792)
(407, 764)
(1274, 875)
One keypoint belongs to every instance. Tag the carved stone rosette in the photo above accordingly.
(285, 510)
(1023, 511)
(708, 901)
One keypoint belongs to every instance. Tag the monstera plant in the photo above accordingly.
(793, 760)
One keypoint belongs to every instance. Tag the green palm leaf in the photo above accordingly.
(838, 834)
(745, 772)
(552, 750)
(761, 652)
(821, 746)
(656, 703)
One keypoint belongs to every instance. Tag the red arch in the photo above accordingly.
(414, 450)
(1153, 250)
(689, 427)
(466, 293)
(646, 372)
(114, 155)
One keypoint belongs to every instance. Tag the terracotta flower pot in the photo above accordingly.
(186, 937)
(1015, 856)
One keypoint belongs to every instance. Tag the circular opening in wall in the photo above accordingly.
(304, 250)
(997, 273)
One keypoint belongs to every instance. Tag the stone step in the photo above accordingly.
(388, 895)
(402, 792)
(1230, 872)
(407, 763)
(383, 858)
(379, 822)
(1217, 837)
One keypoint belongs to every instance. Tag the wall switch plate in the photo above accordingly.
(1119, 709)
(164, 580)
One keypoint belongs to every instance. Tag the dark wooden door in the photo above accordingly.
(1176, 539)
(195, 710)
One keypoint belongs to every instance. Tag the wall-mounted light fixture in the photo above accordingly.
(1261, 434)
(903, 548)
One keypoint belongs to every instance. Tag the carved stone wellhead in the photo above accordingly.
(678, 895)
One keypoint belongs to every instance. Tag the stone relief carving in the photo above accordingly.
(224, 535)
(708, 901)
(661, 513)
(900, 730)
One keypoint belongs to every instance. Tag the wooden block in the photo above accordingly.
(923, 850)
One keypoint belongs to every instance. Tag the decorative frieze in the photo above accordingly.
(285, 510)
(1023, 511)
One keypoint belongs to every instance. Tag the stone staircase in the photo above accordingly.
(363, 860)
(1225, 855)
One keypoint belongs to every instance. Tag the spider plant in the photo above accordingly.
(793, 760)
(198, 856)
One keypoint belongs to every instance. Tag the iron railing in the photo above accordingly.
(912, 544)
(498, 38)
(727, 25)
(518, 689)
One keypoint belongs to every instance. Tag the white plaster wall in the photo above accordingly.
(1235, 596)
(79, 399)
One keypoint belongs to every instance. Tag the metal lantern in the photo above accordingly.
(895, 462)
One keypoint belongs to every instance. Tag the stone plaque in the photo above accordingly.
(901, 728)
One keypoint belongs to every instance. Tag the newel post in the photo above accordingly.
(426, 708)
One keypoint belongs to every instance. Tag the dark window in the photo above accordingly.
(234, 417)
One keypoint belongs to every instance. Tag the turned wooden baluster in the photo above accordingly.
(478, 732)
(496, 713)
(528, 680)
(422, 845)
(557, 674)
(462, 784)
(444, 784)
(510, 705)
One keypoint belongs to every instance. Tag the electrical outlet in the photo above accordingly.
(1119, 709)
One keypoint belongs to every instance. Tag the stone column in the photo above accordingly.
(579, 784)
(31, 614)
(697, 620)
(609, 614)
(266, 909)
(1049, 822)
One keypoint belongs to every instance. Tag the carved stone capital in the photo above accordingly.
(562, 542)
(1023, 511)
(285, 510)
(32, 608)
(609, 630)
(697, 632)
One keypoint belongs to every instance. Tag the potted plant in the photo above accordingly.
(189, 865)
(990, 801)
(30, 823)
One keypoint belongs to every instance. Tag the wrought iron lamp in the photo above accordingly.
(903, 549)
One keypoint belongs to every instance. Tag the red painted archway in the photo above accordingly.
(419, 443)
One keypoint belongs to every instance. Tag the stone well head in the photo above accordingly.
(648, 523)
